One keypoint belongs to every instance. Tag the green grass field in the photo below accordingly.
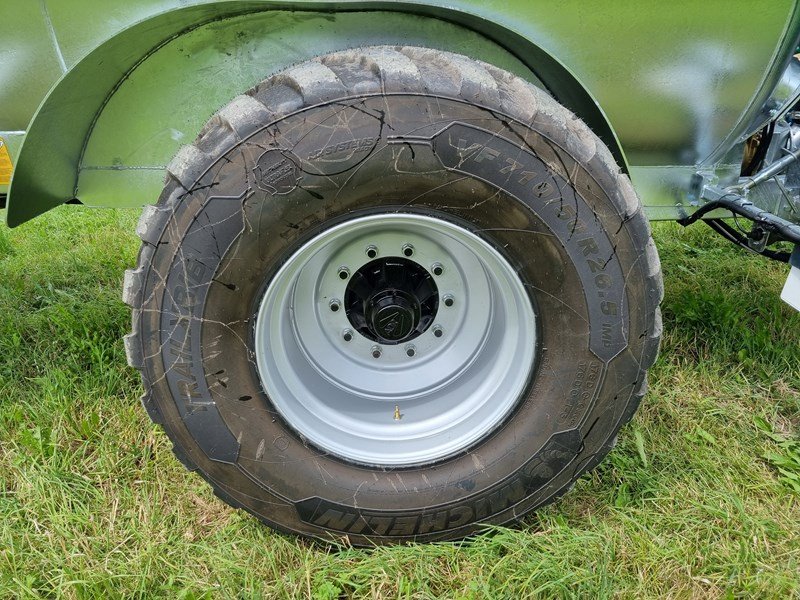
(701, 498)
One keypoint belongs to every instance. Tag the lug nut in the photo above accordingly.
(449, 300)
(408, 250)
(411, 350)
(376, 352)
(372, 251)
(438, 331)
(437, 269)
(347, 335)
(334, 304)
(344, 272)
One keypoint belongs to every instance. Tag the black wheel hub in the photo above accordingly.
(391, 300)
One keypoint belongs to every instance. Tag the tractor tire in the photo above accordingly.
(392, 294)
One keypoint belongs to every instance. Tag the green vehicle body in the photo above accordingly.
(96, 98)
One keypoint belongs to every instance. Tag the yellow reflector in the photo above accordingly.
(5, 164)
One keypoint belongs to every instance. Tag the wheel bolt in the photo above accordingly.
(437, 269)
(449, 300)
(438, 331)
(408, 250)
(411, 350)
(376, 352)
(344, 272)
(347, 335)
(372, 251)
(334, 304)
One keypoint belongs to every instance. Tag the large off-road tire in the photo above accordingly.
(391, 294)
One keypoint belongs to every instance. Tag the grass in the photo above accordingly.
(697, 500)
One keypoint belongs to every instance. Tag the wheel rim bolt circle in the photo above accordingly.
(407, 250)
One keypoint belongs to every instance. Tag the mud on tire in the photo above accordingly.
(394, 137)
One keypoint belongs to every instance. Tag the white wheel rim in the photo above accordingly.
(468, 369)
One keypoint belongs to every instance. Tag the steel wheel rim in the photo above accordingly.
(395, 407)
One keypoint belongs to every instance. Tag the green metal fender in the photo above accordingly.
(106, 130)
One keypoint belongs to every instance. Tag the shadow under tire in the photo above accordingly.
(392, 294)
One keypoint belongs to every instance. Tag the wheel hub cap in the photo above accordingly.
(391, 300)
(393, 315)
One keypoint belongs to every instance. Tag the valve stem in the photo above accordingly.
(397, 415)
